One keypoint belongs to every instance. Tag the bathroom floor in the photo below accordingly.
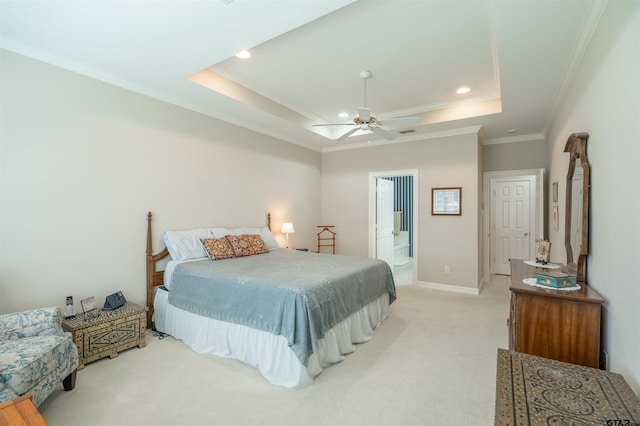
(403, 273)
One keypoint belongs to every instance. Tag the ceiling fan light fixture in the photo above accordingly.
(366, 122)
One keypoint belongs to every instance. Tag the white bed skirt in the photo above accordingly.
(267, 352)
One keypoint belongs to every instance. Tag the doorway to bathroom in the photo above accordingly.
(393, 230)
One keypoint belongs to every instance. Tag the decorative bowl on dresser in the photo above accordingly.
(556, 324)
(108, 332)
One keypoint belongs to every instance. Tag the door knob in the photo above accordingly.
(526, 233)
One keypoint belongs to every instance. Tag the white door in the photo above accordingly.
(384, 220)
(512, 224)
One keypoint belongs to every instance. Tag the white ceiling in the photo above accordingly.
(517, 56)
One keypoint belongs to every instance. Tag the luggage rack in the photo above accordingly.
(327, 238)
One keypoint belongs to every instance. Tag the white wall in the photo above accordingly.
(514, 156)
(604, 101)
(83, 161)
(441, 162)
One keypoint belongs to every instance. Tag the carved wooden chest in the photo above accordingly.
(108, 332)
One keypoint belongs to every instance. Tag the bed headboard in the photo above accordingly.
(155, 278)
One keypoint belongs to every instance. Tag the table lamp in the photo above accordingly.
(287, 228)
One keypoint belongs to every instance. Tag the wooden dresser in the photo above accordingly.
(555, 324)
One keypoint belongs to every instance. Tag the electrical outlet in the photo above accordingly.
(447, 270)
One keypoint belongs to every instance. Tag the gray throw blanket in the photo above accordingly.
(296, 294)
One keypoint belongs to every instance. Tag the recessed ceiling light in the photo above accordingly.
(343, 115)
(512, 131)
(463, 90)
(243, 54)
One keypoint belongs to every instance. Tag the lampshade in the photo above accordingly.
(287, 228)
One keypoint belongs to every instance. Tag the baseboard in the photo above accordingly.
(481, 285)
(451, 288)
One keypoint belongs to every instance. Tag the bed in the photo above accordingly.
(287, 313)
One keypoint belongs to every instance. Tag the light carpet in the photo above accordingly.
(431, 362)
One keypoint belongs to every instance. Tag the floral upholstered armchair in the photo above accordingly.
(35, 354)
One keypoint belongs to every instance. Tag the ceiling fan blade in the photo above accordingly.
(335, 124)
(382, 132)
(401, 120)
(349, 133)
(364, 114)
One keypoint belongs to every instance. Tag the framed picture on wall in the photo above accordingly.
(446, 201)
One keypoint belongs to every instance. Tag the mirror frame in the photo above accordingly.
(577, 148)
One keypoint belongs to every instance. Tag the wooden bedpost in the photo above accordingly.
(150, 270)
(154, 278)
(269, 221)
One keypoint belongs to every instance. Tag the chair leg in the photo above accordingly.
(69, 382)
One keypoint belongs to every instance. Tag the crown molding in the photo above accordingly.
(589, 26)
(533, 137)
(421, 109)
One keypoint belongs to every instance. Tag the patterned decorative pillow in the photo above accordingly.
(217, 248)
(258, 244)
(246, 245)
(240, 245)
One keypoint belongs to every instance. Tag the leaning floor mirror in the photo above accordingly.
(576, 231)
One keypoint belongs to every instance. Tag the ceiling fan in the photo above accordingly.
(365, 121)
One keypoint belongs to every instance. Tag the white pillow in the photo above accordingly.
(184, 245)
(266, 235)
(223, 232)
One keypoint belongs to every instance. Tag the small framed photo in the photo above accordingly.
(446, 201)
(89, 307)
(543, 249)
